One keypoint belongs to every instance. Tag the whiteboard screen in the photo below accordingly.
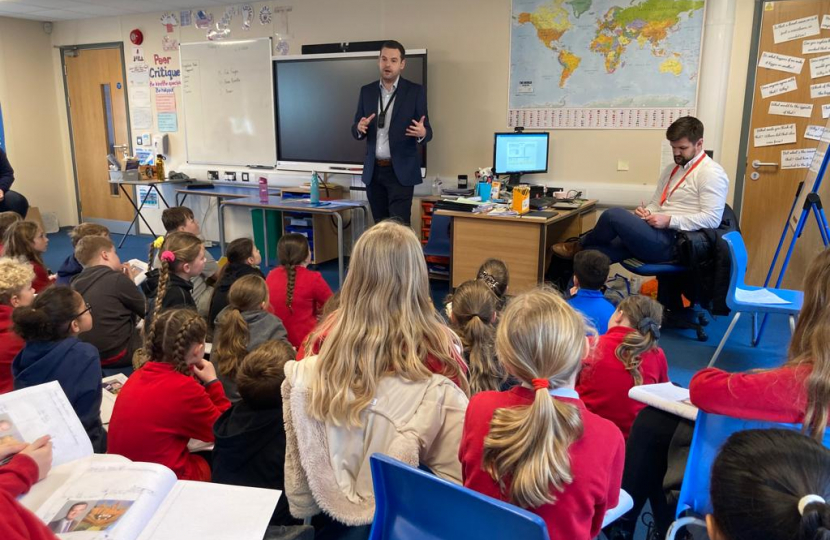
(228, 97)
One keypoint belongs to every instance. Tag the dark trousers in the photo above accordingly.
(655, 460)
(388, 199)
(621, 235)
(15, 202)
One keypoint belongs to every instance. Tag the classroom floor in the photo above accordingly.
(685, 354)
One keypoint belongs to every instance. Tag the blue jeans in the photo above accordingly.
(14, 202)
(621, 235)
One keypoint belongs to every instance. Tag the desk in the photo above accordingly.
(294, 205)
(222, 193)
(153, 186)
(520, 241)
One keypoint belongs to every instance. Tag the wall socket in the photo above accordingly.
(213, 175)
(230, 176)
(246, 177)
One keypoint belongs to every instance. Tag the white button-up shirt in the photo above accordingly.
(698, 202)
(382, 150)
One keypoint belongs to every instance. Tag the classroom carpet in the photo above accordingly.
(686, 355)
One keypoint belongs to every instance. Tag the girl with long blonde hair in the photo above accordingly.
(379, 384)
(535, 445)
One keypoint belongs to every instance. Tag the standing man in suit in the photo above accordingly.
(392, 117)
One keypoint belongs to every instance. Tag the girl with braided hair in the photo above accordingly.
(297, 293)
(627, 355)
(172, 398)
(182, 257)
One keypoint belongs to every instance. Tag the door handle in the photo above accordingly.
(758, 163)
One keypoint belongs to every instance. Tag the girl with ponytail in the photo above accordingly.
(174, 397)
(535, 445)
(625, 356)
(242, 326)
(473, 318)
(772, 484)
(182, 257)
(297, 293)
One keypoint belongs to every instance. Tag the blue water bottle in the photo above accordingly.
(315, 189)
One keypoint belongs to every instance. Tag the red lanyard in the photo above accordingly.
(666, 193)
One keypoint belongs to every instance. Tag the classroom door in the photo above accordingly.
(792, 84)
(98, 121)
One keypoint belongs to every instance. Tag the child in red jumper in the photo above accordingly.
(297, 293)
(15, 290)
(626, 355)
(536, 445)
(30, 463)
(27, 242)
(172, 398)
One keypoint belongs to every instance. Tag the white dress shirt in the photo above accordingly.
(698, 202)
(382, 150)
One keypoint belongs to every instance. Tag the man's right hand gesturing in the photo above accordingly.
(363, 125)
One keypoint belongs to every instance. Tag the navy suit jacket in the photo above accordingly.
(410, 104)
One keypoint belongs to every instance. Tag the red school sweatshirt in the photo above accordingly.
(10, 345)
(158, 411)
(17, 522)
(604, 383)
(310, 293)
(775, 395)
(597, 460)
(41, 280)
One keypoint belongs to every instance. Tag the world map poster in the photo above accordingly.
(594, 64)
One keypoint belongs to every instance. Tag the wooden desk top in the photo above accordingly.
(560, 214)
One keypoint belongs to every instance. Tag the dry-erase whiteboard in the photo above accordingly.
(228, 98)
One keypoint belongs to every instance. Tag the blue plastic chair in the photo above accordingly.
(711, 431)
(411, 503)
(438, 243)
(737, 252)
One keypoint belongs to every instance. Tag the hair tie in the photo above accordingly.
(647, 324)
(489, 280)
(158, 242)
(540, 384)
(808, 500)
(167, 256)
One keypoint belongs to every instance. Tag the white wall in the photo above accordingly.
(468, 43)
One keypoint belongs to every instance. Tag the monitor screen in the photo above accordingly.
(316, 101)
(520, 153)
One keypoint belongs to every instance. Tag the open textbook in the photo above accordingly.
(104, 497)
(666, 397)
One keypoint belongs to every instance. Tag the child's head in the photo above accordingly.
(386, 324)
(292, 251)
(180, 218)
(182, 254)
(177, 337)
(494, 274)
(87, 229)
(644, 315)
(16, 283)
(243, 251)
(26, 241)
(261, 373)
(810, 343)
(97, 251)
(474, 320)
(6, 219)
(541, 342)
(230, 339)
(591, 269)
(771, 484)
(56, 314)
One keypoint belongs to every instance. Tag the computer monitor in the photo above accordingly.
(518, 153)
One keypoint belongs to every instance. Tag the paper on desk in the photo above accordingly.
(758, 296)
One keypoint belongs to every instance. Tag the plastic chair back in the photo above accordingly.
(438, 244)
(711, 431)
(410, 503)
(739, 259)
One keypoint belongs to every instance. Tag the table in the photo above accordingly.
(522, 242)
(153, 186)
(334, 208)
(222, 193)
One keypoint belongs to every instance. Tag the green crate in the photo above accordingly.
(274, 222)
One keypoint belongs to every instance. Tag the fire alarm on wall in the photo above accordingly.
(136, 37)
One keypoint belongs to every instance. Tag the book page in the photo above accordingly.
(107, 501)
(666, 397)
(111, 387)
(212, 512)
(41, 410)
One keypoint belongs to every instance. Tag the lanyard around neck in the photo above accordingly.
(666, 193)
